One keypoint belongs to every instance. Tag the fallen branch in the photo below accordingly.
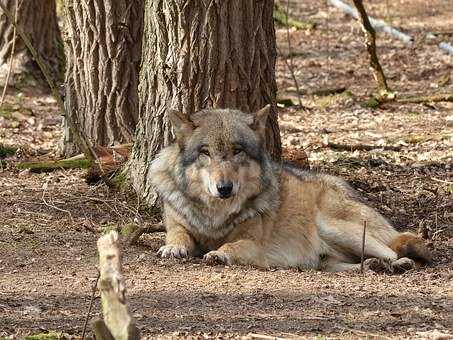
(382, 26)
(110, 159)
(321, 92)
(282, 18)
(442, 45)
(264, 337)
(48, 166)
(377, 24)
(435, 98)
(118, 323)
(361, 147)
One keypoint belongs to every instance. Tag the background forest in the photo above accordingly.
(74, 157)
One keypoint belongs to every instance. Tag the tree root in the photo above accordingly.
(139, 231)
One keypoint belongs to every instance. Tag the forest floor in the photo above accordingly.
(49, 222)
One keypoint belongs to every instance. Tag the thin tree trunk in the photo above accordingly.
(199, 54)
(370, 43)
(103, 57)
(38, 19)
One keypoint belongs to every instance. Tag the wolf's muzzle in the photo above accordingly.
(224, 188)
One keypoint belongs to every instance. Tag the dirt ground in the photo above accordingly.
(49, 222)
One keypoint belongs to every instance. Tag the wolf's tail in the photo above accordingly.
(413, 247)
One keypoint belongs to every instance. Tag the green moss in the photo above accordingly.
(280, 16)
(6, 151)
(106, 228)
(6, 110)
(128, 229)
(46, 336)
(370, 103)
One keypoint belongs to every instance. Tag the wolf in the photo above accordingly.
(224, 198)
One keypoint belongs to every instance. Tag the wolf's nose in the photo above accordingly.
(225, 188)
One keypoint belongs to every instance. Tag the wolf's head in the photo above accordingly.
(222, 152)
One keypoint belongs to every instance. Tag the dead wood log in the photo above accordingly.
(47, 166)
(119, 323)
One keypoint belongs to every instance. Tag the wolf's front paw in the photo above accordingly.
(173, 251)
(378, 265)
(217, 257)
(403, 264)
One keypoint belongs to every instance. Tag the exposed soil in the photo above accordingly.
(49, 222)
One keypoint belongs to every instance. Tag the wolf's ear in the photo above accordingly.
(182, 126)
(260, 120)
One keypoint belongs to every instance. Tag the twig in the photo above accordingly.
(441, 180)
(54, 206)
(361, 147)
(11, 58)
(370, 43)
(79, 136)
(154, 228)
(362, 257)
(264, 337)
(93, 292)
(290, 64)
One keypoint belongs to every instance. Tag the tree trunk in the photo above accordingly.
(103, 57)
(199, 54)
(38, 19)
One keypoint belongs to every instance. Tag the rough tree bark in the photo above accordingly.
(38, 19)
(102, 46)
(199, 54)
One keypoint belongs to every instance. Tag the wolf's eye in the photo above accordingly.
(204, 152)
(237, 150)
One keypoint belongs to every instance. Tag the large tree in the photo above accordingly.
(103, 46)
(38, 19)
(197, 54)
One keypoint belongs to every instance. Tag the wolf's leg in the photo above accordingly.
(336, 265)
(246, 252)
(179, 243)
(333, 264)
(347, 235)
(243, 246)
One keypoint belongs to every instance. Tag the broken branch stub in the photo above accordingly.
(117, 318)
